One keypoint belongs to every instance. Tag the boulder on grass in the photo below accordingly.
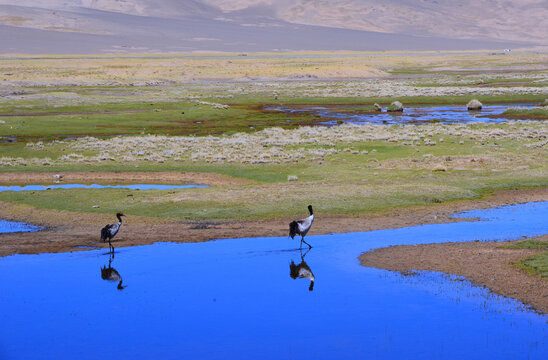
(474, 105)
(544, 103)
(379, 108)
(396, 106)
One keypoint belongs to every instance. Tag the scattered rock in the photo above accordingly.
(292, 178)
(396, 106)
(379, 108)
(544, 103)
(474, 105)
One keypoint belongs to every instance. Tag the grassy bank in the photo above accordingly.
(534, 113)
(344, 170)
(537, 264)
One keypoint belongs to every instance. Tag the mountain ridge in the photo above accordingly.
(267, 25)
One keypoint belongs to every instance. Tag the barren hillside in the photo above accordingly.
(33, 26)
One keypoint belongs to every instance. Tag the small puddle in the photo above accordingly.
(14, 226)
(254, 298)
(410, 115)
(96, 186)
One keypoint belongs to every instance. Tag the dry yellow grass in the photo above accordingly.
(49, 70)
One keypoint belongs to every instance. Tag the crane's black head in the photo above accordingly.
(310, 209)
(120, 214)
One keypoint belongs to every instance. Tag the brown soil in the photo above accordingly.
(486, 264)
(120, 177)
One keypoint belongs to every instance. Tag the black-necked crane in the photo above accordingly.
(111, 274)
(302, 271)
(301, 227)
(110, 231)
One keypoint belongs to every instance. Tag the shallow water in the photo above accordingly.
(410, 115)
(96, 186)
(14, 226)
(234, 299)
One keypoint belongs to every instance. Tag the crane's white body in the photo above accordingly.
(305, 224)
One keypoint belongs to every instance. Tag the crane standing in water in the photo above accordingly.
(301, 227)
(110, 231)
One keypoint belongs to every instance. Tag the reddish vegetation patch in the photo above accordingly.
(121, 177)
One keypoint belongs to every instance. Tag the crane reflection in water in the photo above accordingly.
(111, 274)
(302, 271)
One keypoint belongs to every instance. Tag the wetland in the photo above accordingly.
(267, 135)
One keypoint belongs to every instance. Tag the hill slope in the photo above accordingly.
(103, 26)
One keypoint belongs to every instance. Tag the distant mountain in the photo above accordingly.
(104, 26)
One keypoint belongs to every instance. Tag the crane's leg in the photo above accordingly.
(303, 255)
(302, 241)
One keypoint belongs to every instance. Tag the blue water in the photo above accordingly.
(234, 299)
(96, 186)
(13, 226)
(410, 115)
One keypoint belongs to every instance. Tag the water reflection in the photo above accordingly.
(302, 270)
(111, 274)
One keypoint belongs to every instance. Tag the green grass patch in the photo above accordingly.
(537, 264)
(95, 114)
(536, 113)
(529, 244)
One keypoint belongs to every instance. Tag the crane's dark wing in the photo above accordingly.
(105, 232)
(293, 229)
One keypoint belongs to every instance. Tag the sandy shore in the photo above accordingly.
(485, 264)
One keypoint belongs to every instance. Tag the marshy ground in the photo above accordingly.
(202, 119)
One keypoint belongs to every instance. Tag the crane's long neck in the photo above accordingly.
(310, 210)
(119, 219)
